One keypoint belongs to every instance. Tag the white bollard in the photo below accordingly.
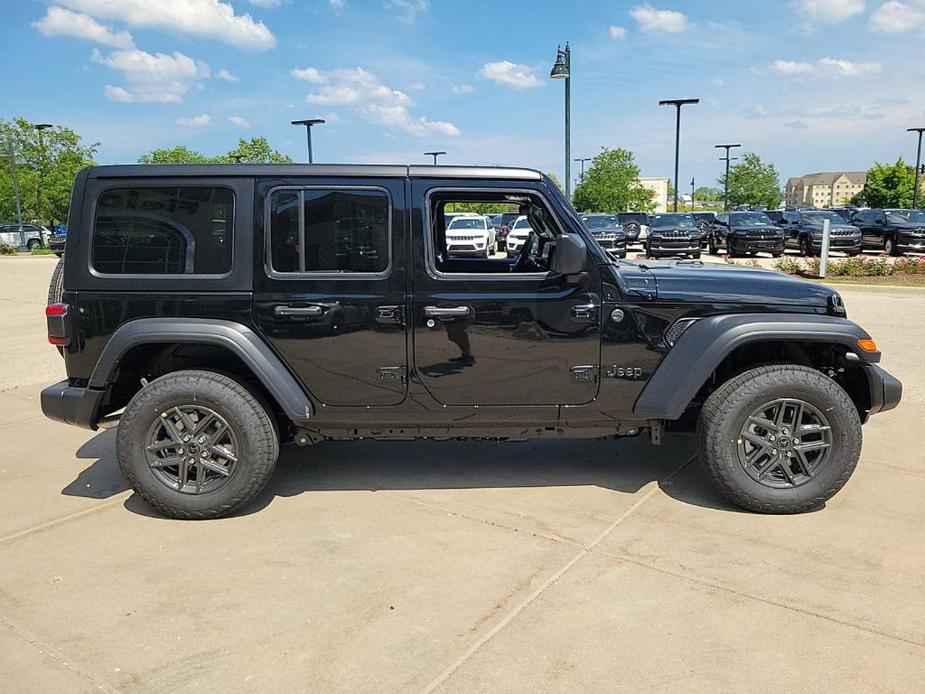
(824, 256)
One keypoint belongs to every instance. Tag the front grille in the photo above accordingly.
(843, 232)
(464, 237)
(764, 235)
(673, 234)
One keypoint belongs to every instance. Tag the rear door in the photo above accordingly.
(330, 285)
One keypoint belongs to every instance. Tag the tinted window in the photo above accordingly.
(467, 223)
(329, 231)
(163, 231)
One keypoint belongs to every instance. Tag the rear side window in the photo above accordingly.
(163, 231)
(329, 231)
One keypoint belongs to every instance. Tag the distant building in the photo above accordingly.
(831, 189)
(659, 186)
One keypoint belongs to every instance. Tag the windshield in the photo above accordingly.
(463, 223)
(678, 221)
(601, 222)
(750, 219)
(637, 217)
(522, 224)
(914, 216)
(817, 217)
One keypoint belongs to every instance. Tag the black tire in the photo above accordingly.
(806, 247)
(253, 427)
(889, 246)
(854, 254)
(712, 247)
(731, 252)
(56, 285)
(776, 254)
(726, 411)
(695, 255)
(33, 243)
(60, 254)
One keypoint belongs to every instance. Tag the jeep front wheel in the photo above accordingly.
(779, 439)
(196, 445)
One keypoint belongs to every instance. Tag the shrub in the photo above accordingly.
(8, 250)
(909, 266)
(788, 265)
(40, 250)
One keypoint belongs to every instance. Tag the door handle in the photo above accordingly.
(297, 311)
(584, 312)
(453, 312)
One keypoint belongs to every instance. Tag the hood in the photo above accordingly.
(687, 282)
(834, 227)
(908, 226)
(762, 228)
(684, 230)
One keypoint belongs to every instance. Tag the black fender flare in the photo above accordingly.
(235, 337)
(704, 345)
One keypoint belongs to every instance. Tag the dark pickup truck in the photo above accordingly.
(213, 313)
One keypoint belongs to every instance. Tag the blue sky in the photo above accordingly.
(808, 84)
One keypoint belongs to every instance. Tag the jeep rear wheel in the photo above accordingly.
(196, 444)
(779, 439)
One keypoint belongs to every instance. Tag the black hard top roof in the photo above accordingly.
(321, 170)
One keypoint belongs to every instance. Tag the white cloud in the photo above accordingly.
(791, 67)
(206, 18)
(897, 17)
(308, 74)
(829, 11)
(417, 86)
(370, 98)
(510, 74)
(826, 67)
(718, 82)
(408, 10)
(158, 77)
(61, 22)
(200, 121)
(226, 76)
(617, 33)
(266, 3)
(337, 4)
(239, 121)
(654, 21)
(460, 89)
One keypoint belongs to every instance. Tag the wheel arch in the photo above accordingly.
(157, 346)
(715, 349)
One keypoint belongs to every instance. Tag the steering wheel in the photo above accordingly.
(528, 260)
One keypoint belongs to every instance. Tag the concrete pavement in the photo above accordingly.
(456, 567)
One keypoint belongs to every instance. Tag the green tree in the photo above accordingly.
(46, 165)
(257, 150)
(611, 184)
(555, 179)
(753, 183)
(175, 155)
(888, 186)
(707, 194)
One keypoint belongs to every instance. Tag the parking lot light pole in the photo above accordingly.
(15, 176)
(692, 193)
(581, 176)
(40, 127)
(434, 155)
(726, 159)
(562, 70)
(308, 123)
(918, 166)
(677, 103)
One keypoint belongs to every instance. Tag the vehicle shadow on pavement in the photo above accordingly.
(624, 465)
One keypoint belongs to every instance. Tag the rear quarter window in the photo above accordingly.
(163, 231)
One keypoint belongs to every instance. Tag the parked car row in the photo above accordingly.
(32, 235)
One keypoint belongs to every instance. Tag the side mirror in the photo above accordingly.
(571, 255)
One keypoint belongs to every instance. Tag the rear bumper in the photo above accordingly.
(885, 390)
(63, 402)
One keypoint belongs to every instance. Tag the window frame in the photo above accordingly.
(302, 274)
(430, 264)
(103, 190)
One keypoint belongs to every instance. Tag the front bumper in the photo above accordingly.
(885, 390)
(747, 245)
(915, 244)
(837, 243)
(63, 402)
(673, 246)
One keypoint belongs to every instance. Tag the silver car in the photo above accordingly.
(15, 235)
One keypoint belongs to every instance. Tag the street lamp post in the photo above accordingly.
(726, 159)
(918, 166)
(677, 103)
(22, 234)
(434, 155)
(692, 193)
(40, 127)
(562, 70)
(308, 123)
(581, 176)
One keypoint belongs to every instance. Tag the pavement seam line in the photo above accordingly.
(9, 539)
(758, 598)
(549, 582)
(48, 653)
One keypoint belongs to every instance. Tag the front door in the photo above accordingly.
(330, 286)
(500, 331)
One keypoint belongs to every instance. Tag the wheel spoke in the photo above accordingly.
(763, 423)
(183, 472)
(215, 467)
(812, 429)
(203, 423)
(805, 467)
(779, 418)
(755, 439)
(166, 462)
(216, 435)
(785, 467)
(223, 452)
(768, 466)
(811, 446)
(161, 445)
(189, 427)
(172, 430)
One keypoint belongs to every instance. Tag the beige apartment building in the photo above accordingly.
(831, 189)
(659, 186)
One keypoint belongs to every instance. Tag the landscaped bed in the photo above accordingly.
(861, 270)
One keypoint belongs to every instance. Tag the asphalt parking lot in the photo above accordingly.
(559, 566)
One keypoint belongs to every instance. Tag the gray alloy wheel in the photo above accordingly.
(889, 246)
(33, 243)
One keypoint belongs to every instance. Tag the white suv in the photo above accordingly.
(471, 234)
(518, 235)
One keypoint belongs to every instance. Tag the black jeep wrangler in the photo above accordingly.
(216, 312)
